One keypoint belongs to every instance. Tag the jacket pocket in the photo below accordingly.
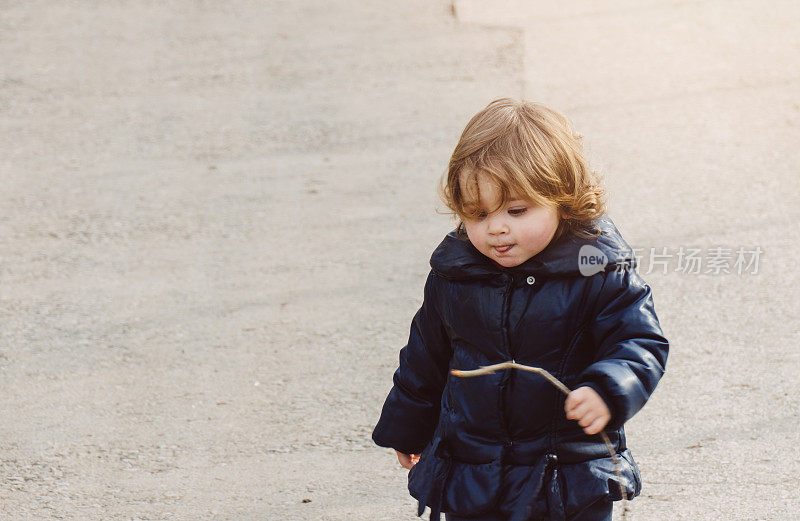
(589, 481)
(472, 488)
(453, 486)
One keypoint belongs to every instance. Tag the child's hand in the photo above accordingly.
(586, 406)
(407, 461)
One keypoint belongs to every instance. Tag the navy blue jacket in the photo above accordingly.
(501, 442)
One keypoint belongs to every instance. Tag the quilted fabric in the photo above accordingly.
(501, 442)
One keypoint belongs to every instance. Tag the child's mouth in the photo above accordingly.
(503, 249)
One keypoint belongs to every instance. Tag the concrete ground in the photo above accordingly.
(217, 223)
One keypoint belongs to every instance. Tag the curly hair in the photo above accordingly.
(531, 151)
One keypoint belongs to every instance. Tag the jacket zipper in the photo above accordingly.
(509, 284)
(561, 366)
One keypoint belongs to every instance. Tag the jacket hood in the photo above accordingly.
(567, 256)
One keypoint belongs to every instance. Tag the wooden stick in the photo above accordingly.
(489, 369)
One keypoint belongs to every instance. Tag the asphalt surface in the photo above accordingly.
(217, 222)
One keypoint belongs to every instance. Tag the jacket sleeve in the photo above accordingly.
(411, 410)
(631, 349)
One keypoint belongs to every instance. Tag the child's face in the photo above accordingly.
(514, 232)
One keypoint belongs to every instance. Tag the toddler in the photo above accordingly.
(537, 273)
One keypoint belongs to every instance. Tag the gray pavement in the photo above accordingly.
(217, 223)
(690, 110)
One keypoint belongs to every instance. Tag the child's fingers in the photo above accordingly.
(572, 401)
(590, 414)
(404, 459)
(579, 411)
(588, 418)
(597, 425)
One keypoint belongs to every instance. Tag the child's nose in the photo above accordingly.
(497, 224)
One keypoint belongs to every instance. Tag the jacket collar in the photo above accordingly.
(459, 259)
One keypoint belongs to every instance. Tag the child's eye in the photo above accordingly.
(517, 211)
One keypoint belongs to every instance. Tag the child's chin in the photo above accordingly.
(507, 263)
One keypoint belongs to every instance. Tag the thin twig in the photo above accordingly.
(489, 369)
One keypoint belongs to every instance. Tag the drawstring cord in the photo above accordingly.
(489, 369)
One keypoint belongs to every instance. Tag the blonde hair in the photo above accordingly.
(530, 151)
